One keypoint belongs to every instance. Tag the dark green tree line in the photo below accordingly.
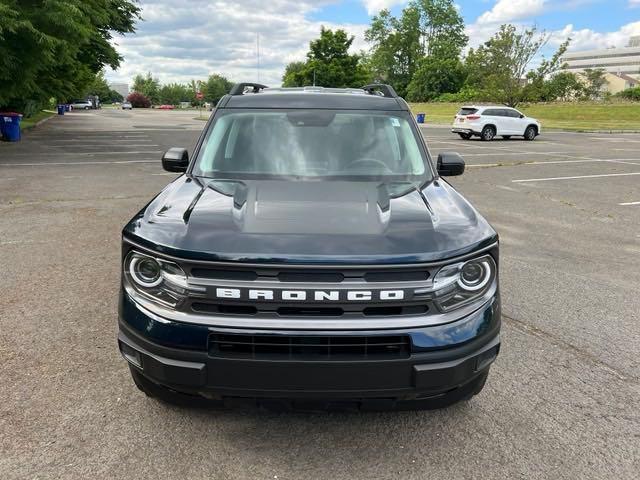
(55, 48)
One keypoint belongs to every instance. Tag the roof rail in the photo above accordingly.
(380, 88)
(239, 88)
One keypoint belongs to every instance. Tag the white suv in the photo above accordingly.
(488, 122)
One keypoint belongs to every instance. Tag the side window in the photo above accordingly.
(512, 113)
(492, 112)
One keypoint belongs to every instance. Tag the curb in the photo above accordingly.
(37, 124)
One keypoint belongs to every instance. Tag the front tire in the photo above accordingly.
(465, 136)
(530, 133)
(488, 133)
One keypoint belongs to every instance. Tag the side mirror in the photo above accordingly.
(450, 164)
(521, 115)
(175, 160)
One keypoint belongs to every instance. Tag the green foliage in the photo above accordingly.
(563, 86)
(114, 97)
(291, 73)
(147, 86)
(397, 47)
(215, 88)
(329, 63)
(441, 28)
(174, 93)
(500, 64)
(630, 94)
(595, 80)
(55, 48)
(436, 76)
(425, 27)
(99, 87)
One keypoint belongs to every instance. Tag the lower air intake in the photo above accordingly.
(309, 347)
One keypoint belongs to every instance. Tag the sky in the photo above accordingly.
(180, 40)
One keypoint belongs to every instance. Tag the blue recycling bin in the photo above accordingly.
(67, 108)
(10, 126)
(420, 117)
(61, 109)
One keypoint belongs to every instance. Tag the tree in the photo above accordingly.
(397, 47)
(425, 27)
(292, 71)
(215, 88)
(174, 93)
(55, 48)
(329, 63)
(595, 80)
(434, 77)
(441, 28)
(147, 86)
(99, 87)
(114, 97)
(501, 63)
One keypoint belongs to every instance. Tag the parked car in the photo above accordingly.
(126, 106)
(82, 105)
(487, 122)
(166, 107)
(310, 251)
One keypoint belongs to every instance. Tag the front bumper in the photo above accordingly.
(443, 359)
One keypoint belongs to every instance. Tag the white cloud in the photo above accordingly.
(509, 10)
(374, 6)
(181, 40)
(634, 3)
(585, 39)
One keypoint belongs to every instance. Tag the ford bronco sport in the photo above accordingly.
(310, 253)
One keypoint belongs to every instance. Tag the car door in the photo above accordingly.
(517, 125)
(495, 116)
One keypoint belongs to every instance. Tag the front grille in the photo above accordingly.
(325, 291)
(309, 347)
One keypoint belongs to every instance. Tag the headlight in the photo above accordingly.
(462, 283)
(156, 279)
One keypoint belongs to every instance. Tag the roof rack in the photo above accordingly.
(381, 89)
(239, 88)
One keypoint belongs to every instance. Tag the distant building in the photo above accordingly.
(121, 88)
(622, 65)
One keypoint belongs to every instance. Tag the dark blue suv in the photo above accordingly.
(310, 254)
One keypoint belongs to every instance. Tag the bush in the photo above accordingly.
(467, 94)
(630, 94)
(137, 100)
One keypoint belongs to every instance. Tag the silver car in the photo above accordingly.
(126, 106)
(82, 105)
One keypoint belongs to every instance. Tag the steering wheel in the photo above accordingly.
(363, 162)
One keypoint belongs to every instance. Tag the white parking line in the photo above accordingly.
(45, 164)
(576, 177)
(629, 203)
(109, 145)
(91, 153)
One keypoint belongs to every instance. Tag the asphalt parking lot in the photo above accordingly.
(562, 400)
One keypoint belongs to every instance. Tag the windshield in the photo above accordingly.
(312, 144)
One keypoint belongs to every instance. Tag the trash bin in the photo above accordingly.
(61, 109)
(420, 117)
(10, 126)
(67, 108)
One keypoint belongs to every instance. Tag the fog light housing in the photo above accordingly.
(131, 355)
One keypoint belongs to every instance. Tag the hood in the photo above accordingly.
(309, 222)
